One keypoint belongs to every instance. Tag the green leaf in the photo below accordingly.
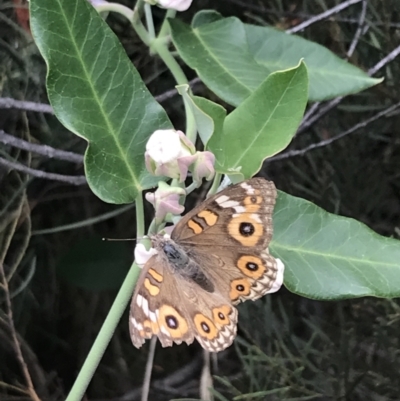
(233, 58)
(97, 94)
(262, 125)
(329, 75)
(209, 116)
(204, 17)
(332, 257)
(220, 55)
(96, 265)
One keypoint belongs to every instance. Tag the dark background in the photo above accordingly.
(291, 347)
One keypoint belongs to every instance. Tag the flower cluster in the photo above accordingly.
(171, 154)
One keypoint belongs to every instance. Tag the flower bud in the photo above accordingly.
(96, 3)
(165, 200)
(203, 167)
(169, 153)
(178, 5)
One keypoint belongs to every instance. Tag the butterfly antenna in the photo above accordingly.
(124, 239)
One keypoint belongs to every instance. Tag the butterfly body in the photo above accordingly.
(216, 257)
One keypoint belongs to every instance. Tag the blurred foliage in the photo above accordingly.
(288, 347)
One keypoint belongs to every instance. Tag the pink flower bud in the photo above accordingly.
(203, 167)
(165, 200)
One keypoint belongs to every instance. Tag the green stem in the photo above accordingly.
(215, 184)
(164, 31)
(149, 21)
(139, 216)
(191, 127)
(116, 8)
(191, 187)
(153, 227)
(162, 50)
(132, 15)
(103, 338)
(114, 316)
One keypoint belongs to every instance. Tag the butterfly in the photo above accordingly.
(216, 256)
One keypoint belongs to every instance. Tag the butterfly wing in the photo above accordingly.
(177, 310)
(229, 234)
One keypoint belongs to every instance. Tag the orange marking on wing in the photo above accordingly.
(205, 327)
(235, 229)
(210, 217)
(221, 315)
(251, 266)
(150, 328)
(239, 287)
(157, 276)
(252, 203)
(195, 227)
(172, 321)
(152, 289)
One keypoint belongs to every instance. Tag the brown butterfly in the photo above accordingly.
(217, 256)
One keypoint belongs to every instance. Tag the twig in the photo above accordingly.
(174, 380)
(149, 369)
(70, 179)
(84, 223)
(309, 119)
(322, 16)
(9, 103)
(15, 342)
(44, 150)
(359, 30)
(264, 10)
(306, 123)
(362, 124)
(390, 57)
(206, 382)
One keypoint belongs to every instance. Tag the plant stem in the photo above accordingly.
(162, 50)
(107, 330)
(139, 216)
(191, 187)
(149, 21)
(132, 15)
(164, 31)
(117, 8)
(103, 338)
(215, 184)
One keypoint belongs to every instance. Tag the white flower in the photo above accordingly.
(169, 153)
(142, 255)
(164, 146)
(178, 5)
